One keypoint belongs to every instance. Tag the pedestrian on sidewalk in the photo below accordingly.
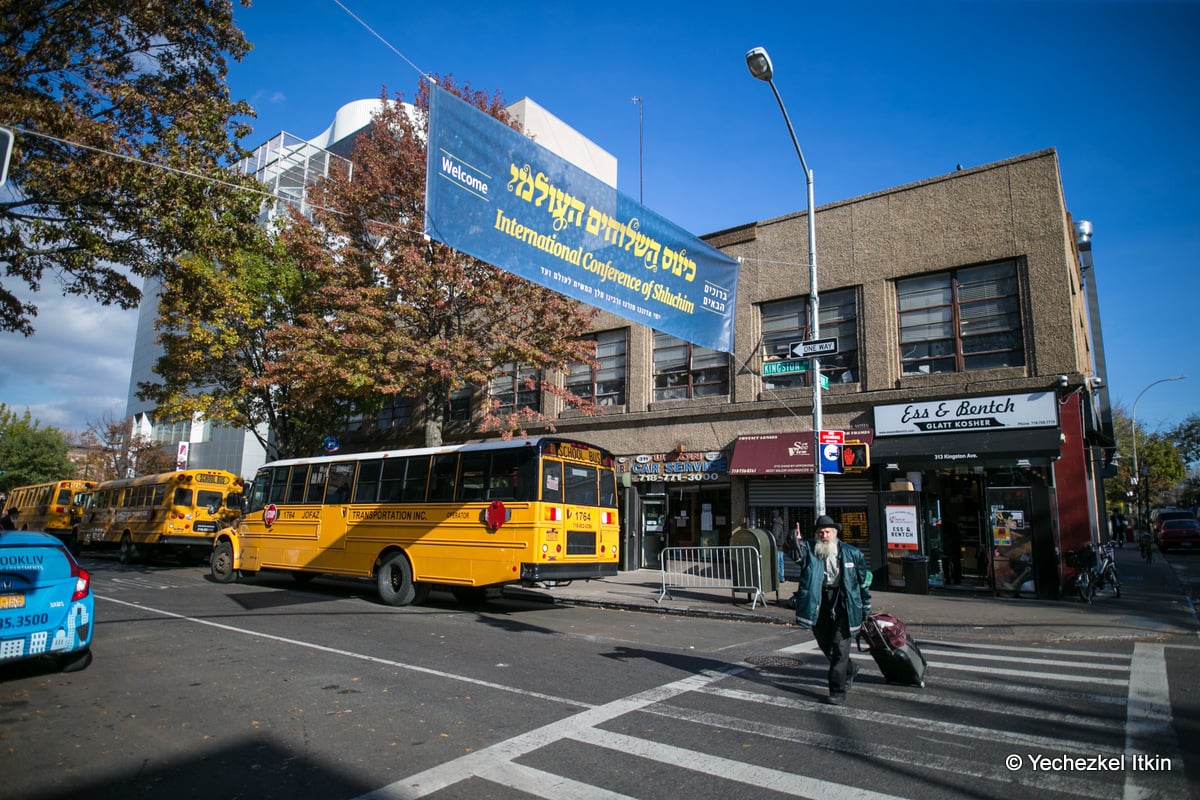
(833, 599)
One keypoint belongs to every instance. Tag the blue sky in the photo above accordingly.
(880, 94)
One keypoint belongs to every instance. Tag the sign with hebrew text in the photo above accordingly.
(498, 196)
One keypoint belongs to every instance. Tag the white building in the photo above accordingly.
(287, 165)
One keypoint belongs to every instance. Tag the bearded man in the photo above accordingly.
(833, 599)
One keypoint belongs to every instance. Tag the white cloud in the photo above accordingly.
(75, 368)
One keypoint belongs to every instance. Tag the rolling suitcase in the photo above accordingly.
(895, 651)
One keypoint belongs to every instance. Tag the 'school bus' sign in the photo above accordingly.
(494, 194)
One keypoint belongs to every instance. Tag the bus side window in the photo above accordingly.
(316, 483)
(472, 476)
(341, 475)
(391, 487)
(415, 479)
(366, 489)
(552, 481)
(271, 487)
(296, 484)
(441, 481)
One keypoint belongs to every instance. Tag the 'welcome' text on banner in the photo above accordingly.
(494, 194)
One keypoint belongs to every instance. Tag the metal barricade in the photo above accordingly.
(733, 568)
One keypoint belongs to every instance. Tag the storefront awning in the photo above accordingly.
(773, 454)
(1035, 447)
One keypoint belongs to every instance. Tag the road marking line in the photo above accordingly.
(1148, 729)
(437, 673)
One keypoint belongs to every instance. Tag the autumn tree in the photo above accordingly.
(400, 314)
(30, 453)
(102, 96)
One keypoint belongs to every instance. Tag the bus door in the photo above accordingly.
(334, 511)
(286, 532)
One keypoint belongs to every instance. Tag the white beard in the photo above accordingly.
(826, 549)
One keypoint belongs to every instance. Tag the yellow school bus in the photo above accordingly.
(172, 512)
(55, 508)
(465, 517)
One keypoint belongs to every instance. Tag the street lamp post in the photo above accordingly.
(1139, 492)
(760, 67)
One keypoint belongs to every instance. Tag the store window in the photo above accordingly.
(786, 321)
(961, 320)
(683, 371)
(603, 384)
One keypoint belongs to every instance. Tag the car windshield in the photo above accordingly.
(1181, 523)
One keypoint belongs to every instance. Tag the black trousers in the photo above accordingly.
(832, 632)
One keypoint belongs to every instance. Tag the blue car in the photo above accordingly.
(46, 604)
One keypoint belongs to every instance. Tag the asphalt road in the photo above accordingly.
(265, 690)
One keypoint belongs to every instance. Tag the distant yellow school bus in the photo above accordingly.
(177, 512)
(55, 508)
(465, 517)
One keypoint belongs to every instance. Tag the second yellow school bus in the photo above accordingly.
(55, 507)
(176, 512)
(465, 517)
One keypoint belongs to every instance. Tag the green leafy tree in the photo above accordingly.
(1187, 438)
(29, 453)
(82, 80)
(1158, 458)
(220, 357)
(396, 313)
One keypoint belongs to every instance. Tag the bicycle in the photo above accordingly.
(1107, 574)
(1147, 546)
(1084, 563)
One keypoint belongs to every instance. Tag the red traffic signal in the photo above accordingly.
(856, 457)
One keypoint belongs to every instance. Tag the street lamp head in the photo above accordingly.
(760, 64)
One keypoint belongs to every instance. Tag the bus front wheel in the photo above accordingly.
(221, 565)
(395, 581)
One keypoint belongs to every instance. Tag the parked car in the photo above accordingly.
(1179, 534)
(1160, 516)
(46, 603)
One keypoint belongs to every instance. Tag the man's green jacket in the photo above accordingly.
(855, 580)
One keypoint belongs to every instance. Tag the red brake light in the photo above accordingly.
(83, 582)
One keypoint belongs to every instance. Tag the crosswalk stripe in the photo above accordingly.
(788, 783)
(1038, 662)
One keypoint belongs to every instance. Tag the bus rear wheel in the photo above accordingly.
(221, 564)
(128, 553)
(394, 580)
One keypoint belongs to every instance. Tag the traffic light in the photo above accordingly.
(856, 457)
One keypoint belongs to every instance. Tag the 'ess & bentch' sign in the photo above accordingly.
(957, 415)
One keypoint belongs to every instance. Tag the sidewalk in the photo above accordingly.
(1152, 606)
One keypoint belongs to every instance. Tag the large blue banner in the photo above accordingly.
(494, 194)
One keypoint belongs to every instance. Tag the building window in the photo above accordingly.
(962, 320)
(515, 387)
(786, 321)
(683, 370)
(603, 385)
(458, 405)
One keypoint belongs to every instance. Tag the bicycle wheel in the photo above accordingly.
(1087, 589)
(1110, 578)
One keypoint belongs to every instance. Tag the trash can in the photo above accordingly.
(763, 574)
(916, 575)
